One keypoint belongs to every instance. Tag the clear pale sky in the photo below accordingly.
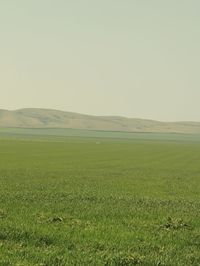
(136, 58)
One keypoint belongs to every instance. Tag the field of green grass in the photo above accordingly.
(59, 133)
(70, 200)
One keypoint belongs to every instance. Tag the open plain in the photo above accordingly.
(99, 200)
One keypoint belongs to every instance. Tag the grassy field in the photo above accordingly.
(43, 134)
(99, 201)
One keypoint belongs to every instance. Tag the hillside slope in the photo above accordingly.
(45, 118)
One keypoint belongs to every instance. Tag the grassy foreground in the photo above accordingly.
(80, 201)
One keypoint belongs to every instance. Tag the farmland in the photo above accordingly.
(72, 198)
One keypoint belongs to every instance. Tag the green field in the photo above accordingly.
(101, 199)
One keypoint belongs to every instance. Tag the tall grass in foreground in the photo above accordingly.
(83, 202)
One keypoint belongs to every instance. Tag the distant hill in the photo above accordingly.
(45, 118)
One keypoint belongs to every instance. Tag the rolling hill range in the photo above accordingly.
(45, 118)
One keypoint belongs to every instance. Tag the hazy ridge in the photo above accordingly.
(47, 118)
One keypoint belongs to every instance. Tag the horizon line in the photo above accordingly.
(94, 115)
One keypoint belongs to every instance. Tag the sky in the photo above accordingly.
(134, 58)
